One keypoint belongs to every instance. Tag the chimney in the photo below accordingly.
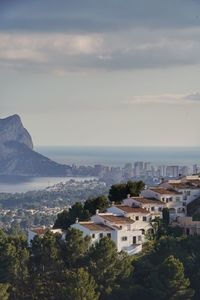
(128, 196)
(113, 203)
(97, 211)
(77, 220)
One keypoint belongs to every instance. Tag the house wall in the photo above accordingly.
(174, 202)
(132, 215)
(124, 244)
(31, 236)
(87, 232)
(190, 195)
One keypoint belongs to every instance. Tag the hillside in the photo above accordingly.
(17, 156)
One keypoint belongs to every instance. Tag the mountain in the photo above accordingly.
(17, 156)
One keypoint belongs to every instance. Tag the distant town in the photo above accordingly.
(139, 170)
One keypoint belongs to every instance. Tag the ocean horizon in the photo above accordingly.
(120, 155)
(91, 155)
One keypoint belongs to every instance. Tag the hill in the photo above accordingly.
(17, 156)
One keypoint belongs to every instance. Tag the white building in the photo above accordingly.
(172, 199)
(141, 216)
(189, 226)
(32, 232)
(119, 228)
(189, 186)
(93, 230)
(154, 206)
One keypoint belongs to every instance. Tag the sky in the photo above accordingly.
(109, 72)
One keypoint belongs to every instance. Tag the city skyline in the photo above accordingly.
(102, 72)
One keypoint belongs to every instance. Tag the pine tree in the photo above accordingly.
(4, 295)
(168, 282)
(80, 286)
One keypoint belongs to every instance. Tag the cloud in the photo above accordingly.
(134, 49)
(96, 16)
(169, 99)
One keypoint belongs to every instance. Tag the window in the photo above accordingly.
(124, 238)
(109, 235)
(152, 208)
(136, 218)
(143, 231)
(134, 239)
(101, 235)
(160, 209)
(93, 235)
(144, 219)
(171, 199)
(163, 198)
(177, 199)
(120, 227)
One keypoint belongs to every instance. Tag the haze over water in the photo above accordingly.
(110, 156)
(118, 156)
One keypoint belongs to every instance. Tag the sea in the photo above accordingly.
(110, 156)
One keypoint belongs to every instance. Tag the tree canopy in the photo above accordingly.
(118, 192)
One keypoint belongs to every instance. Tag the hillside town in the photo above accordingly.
(131, 223)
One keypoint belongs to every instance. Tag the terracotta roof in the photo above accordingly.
(185, 185)
(95, 227)
(116, 219)
(163, 191)
(148, 200)
(130, 209)
(194, 181)
(39, 230)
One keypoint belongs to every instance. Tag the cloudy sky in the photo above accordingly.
(108, 72)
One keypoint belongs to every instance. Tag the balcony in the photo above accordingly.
(133, 249)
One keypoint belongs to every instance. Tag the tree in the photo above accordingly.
(67, 218)
(74, 247)
(165, 215)
(62, 220)
(108, 267)
(45, 266)
(168, 281)
(118, 192)
(45, 253)
(80, 285)
(4, 295)
(92, 204)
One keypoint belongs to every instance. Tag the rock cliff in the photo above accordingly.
(17, 156)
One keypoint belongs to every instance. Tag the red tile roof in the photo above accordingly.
(116, 219)
(185, 185)
(148, 200)
(130, 209)
(95, 227)
(163, 191)
(39, 230)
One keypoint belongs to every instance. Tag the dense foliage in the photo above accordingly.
(118, 192)
(81, 211)
(67, 269)
(56, 268)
